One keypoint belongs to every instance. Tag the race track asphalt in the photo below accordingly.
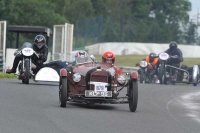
(34, 108)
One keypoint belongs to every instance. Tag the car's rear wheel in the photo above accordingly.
(133, 95)
(63, 91)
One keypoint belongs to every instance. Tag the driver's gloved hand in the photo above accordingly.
(16, 52)
(137, 64)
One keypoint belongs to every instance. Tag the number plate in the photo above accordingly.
(100, 87)
(89, 93)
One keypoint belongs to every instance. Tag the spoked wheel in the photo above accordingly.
(133, 95)
(63, 91)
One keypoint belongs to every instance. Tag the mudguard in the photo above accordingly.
(134, 75)
(195, 74)
(63, 72)
(47, 74)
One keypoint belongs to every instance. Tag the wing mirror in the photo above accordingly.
(92, 58)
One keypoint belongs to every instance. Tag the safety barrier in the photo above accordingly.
(134, 48)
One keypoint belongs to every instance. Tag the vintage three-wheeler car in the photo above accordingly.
(95, 82)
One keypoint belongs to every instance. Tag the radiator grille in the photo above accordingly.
(98, 76)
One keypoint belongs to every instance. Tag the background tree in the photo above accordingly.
(159, 21)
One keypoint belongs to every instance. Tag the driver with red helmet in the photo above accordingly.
(109, 58)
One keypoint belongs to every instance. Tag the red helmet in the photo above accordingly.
(108, 55)
(81, 56)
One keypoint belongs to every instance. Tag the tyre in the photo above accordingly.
(195, 75)
(195, 84)
(142, 76)
(133, 95)
(161, 74)
(26, 72)
(63, 92)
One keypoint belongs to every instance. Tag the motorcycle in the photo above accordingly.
(145, 72)
(163, 75)
(49, 72)
(167, 73)
(25, 66)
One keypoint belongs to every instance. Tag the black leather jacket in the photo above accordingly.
(177, 60)
(43, 53)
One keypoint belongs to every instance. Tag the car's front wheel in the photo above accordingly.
(63, 91)
(133, 95)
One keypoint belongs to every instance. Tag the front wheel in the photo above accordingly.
(133, 95)
(26, 72)
(161, 74)
(142, 76)
(63, 91)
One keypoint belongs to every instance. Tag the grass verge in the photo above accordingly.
(5, 75)
(131, 60)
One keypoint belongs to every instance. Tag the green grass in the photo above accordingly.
(5, 75)
(131, 60)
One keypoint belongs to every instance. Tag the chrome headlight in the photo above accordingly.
(76, 77)
(121, 79)
(143, 63)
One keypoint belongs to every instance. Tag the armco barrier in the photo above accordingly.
(134, 48)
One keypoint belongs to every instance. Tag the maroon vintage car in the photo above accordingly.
(94, 82)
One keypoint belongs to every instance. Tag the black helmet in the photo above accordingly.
(173, 45)
(152, 56)
(40, 41)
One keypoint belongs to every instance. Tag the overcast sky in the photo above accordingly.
(195, 7)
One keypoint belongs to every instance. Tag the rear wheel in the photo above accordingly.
(133, 95)
(63, 91)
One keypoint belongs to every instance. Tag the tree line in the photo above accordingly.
(159, 21)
